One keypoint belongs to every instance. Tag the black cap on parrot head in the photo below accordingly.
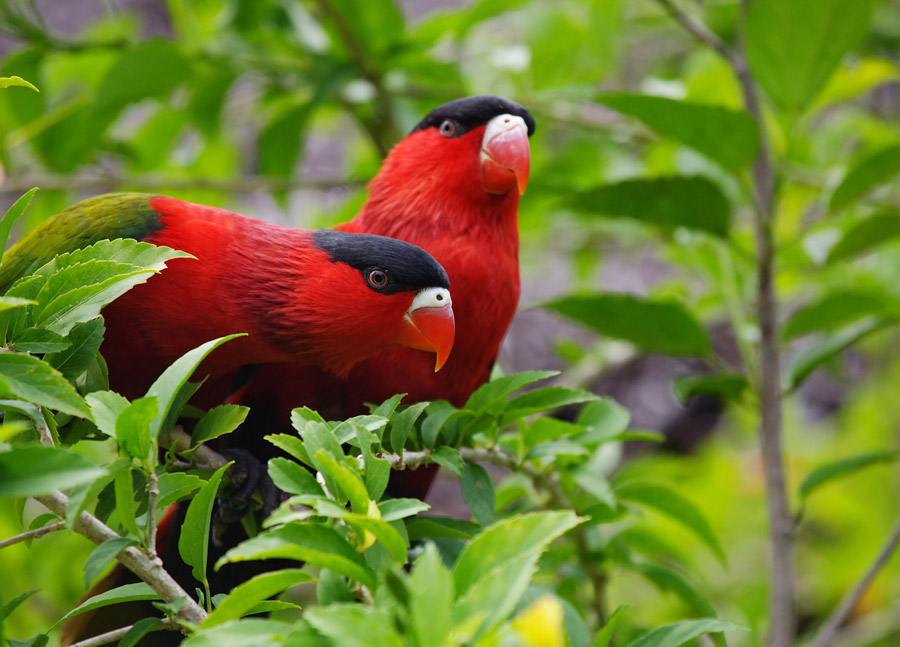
(471, 112)
(388, 265)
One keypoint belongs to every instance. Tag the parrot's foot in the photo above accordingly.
(247, 475)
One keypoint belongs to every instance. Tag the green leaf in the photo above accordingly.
(175, 486)
(678, 633)
(491, 396)
(824, 474)
(28, 378)
(138, 630)
(106, 406)
(125, 507)
(37, 470)
(872, 171)
(665, 202)
(677, 507)
(386, 409)
(386, 534)
(724, 385)
(12, 215)
(8, 303)
(308, 542)
(667, 579)
(126, 593)
(545, 399)
(604, 420)
(85, 340)
(507, 540)
(827, 347)
(81, 496)
(478, 491)
(450, 458)
(605, 636)
(346, 479)
(376, 471)
(729, 137)
(655, 326)
(38, 340)
(168, 385)
(245, 596)
(133, 429)
(12, 82)
(249, 632)
(440, 528)
(393, 509)
(332, 588)
(293, 478)
(102, 555)
(834, 311)
(865, 235)
(431, 599)
(794, 46)
(402, 423)
(218, 421)
(148, 69)
(354, 625)
(193, 543)
(437, 414)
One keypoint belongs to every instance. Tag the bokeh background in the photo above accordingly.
(283, 109)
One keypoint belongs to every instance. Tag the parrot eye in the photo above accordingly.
(377, 278)
(447, 128)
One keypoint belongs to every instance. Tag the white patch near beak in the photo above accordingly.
(500, 124)
(430, 298)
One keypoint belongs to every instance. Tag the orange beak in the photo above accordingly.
(506, 158)
(430, 328)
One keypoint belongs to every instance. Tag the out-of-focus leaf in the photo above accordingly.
(354, 625)
(244, 596)
(218, 421)
(193, 543)
(868, 173)
(655, 326)
(36, 470)
(431, 598)
(12, 215)
(853, 79)
(478, 491)
(440, 527)
(824, 474)
(827, 347)
(10, 606)
(668, 579)
(677, 507)
(603, 420)
(308, 542)
(725, 385)
(393, 509)
(450, 458)
(793, 47)
(866, 235)
(666, 202)
(835, 310)
(138, 630)
(605, 636)
(148, 69)
(729, 137)
(28, 378)
(678, 633)
(126, 593)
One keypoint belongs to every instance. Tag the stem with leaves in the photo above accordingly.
(768, 380)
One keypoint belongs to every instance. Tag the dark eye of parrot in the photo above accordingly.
(378, 278)
(447, 128)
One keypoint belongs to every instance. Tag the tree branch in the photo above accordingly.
(829, 630)
(104, 182)
(33, 534)
(150, 570)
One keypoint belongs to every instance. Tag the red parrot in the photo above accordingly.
(322, 298)
(452, 187)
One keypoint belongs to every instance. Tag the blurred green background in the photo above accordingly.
(283, 110)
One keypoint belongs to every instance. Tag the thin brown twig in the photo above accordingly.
(33, 534)
(116, 634)
(782, 613)
(839, 616)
